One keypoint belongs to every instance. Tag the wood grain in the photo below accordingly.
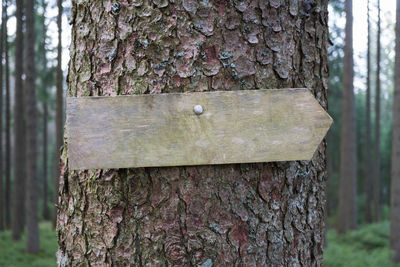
(163, 130)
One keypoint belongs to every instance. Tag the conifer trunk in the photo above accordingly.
(377, 156)
(45, 208)
(59, 109)
(265, 214)
(7, 193)
(19, 131)
(32, 220)
(2, 202)
(395, 186)
(347, 213)
(368, 176)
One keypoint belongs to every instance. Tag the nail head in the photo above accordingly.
(198, 109)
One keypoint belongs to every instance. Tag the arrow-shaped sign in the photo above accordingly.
(194, 128)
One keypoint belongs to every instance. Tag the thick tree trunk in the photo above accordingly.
(377, 157)
(269, 214)
(19, 132)
(2, 207)
(368, 176)
(59, 111)
(395, 188)
(32, 220)
(7, 193)
(348, 169)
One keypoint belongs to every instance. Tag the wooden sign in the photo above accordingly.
(194, 128)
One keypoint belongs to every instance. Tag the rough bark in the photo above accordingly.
(348, 175)
(32, 220)
(2, 207)
(395, 187)
(59, 110)
(368, 176)
(377, 157)
(266, 214)
(7, 193)
(19, 131)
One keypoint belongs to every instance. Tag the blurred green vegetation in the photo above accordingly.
(13, 254)
(366, 246)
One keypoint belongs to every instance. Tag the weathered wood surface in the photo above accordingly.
(163, 130)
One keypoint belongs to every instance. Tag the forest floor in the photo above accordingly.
(367, 246)
(12, 254)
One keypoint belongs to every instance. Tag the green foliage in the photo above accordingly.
(12, 254)
(367, 246)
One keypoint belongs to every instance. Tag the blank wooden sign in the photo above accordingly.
(164, 129)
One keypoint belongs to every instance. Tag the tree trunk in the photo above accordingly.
(347, 218)
(368, 176)
(32, 220)
(264, 214)
(46, 212)
(59, 110)
(8, 133)
(395, 188)
(377, 158)
(45, 208)
(19, 131)
(2, 207)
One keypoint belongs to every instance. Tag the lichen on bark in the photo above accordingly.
(268, 214)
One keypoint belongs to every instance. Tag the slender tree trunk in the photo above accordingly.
(30, 88)
(19, 131)
(8, 133)
(45, 209)
(59, 110)
(46, 212)
(395, 188)
(2, 207)
(377, 158)
(368, 176)
(265, 214)
(347, 214)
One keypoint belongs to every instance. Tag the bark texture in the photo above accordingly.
(59, 110)
(368, 154)
(224, 215)
(19, 131)
(377, 156)
(7, 192)
(395, 188)
(348, 174)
